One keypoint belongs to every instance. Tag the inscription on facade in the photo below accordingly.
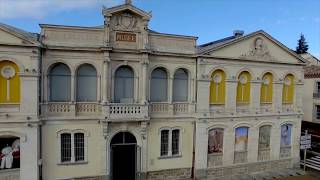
(129, 37)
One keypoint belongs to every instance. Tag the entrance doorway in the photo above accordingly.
(123, 156)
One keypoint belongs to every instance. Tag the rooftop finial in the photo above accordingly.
(128, 1)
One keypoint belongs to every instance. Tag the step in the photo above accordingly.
(311, 166)
(313, 161)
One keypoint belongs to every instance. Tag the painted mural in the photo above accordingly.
(264, 137)
(215, 141)
(9, 153)
(286, 134)
(241, 140)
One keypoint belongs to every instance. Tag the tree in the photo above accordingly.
(302, 45)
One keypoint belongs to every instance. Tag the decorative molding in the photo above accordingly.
(259, 51)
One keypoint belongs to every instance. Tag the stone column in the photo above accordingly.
(105, 78)
(298, 96)
(255, 96)
(203, 94)
(29, 94)
(73, 88)
(277, 95)
(275, 141)
(144, 150)
(231, 95)
(201, 150)
(144, 77)
(295, 147)
(228, 146)
(253, 138)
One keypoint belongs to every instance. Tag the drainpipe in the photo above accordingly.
(193, 151)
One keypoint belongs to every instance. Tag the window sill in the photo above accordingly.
(170, 157)
(264, 103)
(72, 163)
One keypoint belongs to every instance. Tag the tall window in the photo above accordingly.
(243, 88)
(264, 137)
(86, 83)
(318, 111)
(180, 86)
(159, 85)
(241, 139)
(286, 135)
(215, 141)
(65, 147)
(266, 88)
(217, 87)
(79, 146)
(318, 89)
(288, 89)
(9, 83)
(170, 142)
(164, 143)
(124, 85)
(60, 83)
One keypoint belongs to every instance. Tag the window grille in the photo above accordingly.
(79, 146)
(65, 147)
(175, 141)
(164, 142)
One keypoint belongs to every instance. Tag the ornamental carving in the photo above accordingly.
(126, 21)
(259, 51)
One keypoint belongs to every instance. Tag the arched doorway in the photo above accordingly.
(123, 156)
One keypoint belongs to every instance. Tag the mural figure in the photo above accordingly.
(241, 141)
(286, 134)
(215, 141)
(9, 154)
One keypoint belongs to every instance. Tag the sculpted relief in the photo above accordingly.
(259, 51)
(126, 21)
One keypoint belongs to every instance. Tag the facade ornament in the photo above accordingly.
(129, 2)
(126, 21)
(259, 51)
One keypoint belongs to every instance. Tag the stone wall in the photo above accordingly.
(171, 174)
(250, 168)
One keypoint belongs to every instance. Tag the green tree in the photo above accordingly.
(302, 45)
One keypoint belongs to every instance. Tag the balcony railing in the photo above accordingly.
(118, 111)
(88, 108)
(316, 95)
(159, 107)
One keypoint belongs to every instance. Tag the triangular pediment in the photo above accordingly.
(257, 46)
(12, 37)
(126, 8)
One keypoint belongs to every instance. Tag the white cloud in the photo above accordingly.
(10, 9)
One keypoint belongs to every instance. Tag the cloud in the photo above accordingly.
(37, 9)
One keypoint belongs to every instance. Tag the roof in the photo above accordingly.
(25, 34)
(311, 60)
(312, 71)
(210, 45)
(167, 34)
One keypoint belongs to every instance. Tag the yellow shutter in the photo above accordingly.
(288, 89)
(266, 88)
(217, 87)
(243, 89)
(13, 96)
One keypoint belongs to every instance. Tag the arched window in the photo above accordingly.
(124, 85)
(180, 86)
(243, 88)
(288, 89)
(9, 83)
(215, 141)
(266, 88)
(241, 139)
(159, 85)
(264, 137)
(86, 83)
(60, 83)
(217, 87)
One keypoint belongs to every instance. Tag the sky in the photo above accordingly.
(209, 20)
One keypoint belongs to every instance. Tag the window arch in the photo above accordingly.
(215, 140)
(243, 88)
(86, 83)
(266, 92)
(9, 83)
(159, 85)
(180, 86)
(217, 87)
(124, 85)
(288, 89)
(60, 83)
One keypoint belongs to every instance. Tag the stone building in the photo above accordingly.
(121, 101)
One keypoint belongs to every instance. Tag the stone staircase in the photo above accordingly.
(313, 163)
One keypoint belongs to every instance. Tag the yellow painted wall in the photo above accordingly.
(96, 152)
(288, 90)
(266, 89)
(243, 90)
(217, 90)
(155, 163)
(14, 85)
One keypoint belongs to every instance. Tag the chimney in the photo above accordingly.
(238, 33)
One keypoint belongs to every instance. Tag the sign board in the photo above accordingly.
(128, 37)
(305, 141)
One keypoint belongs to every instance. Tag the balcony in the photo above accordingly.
(130, 112)
(168, 109)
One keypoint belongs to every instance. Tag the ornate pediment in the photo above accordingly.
(126, 21)
(259, 51)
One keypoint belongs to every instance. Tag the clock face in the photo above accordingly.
(8, 72)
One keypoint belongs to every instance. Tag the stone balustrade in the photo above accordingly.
(124, 111)
(88, 108)
(159, 107)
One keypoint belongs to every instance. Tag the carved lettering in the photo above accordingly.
(129, 37)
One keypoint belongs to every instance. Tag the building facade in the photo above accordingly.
(121, 101)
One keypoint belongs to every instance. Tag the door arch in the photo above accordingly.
(123, 155)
